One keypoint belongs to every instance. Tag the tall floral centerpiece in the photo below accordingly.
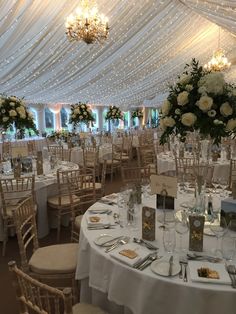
(138, 113)
(81, 113)
(13, 112)
(113, 115)
(200, 101)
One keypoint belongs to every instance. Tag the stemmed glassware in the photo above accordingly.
(181, 227)
(229, 242)
(169, 239)
(218, 226)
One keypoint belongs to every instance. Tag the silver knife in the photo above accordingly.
(170, 265)
(112, 241)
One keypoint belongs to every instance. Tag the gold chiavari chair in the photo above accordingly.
(114, 163)
(54, 263)
(134, 174)
(147, 157)
(14, 191)
(232, 172)
(6, 149)
(40, 298)
(31, 146)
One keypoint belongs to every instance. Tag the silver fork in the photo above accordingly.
(119, 242)
(232, 274)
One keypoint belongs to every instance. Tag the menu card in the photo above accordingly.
(196, 233)
(148, 223)
(39, 163)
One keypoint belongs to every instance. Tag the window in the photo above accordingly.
(154, 118)
(64, 118)
(49, 120)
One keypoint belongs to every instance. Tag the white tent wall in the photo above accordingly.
(150, 42)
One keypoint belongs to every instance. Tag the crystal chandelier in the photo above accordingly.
(87, 24)
(218, 62)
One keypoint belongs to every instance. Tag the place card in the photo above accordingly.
(196, 227)
(164, 183)
(19, 151)
(148, 223)
(39, 163)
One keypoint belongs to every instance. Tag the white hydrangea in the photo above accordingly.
(182, 98)
(213, 82)
(188, 119)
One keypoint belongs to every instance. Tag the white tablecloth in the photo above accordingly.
(39, 141)
(77, 153)
(166, 163)
(44, 187)
(120, 289)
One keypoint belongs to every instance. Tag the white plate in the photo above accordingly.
(102, 239)
(207, 231)
(161, 267)
(98, 210)
(220, 268)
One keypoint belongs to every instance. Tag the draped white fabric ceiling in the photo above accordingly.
(149, 43)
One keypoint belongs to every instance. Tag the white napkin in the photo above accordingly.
(141, 252)
(98, 208)
(103, 220)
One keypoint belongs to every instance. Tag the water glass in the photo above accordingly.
(169, 239)
(181, 227)
(219, 227)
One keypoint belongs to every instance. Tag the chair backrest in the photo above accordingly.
(146, 155)
(13, 191)
(6, 149)
(36, 297)
(31, 146)
(134, 174)
(56, 150)
(26, 230)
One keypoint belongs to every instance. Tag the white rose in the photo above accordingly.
(189, 87)
(188, 119)
(77, 111)
(80, 117)
(22, 115)
(20, 109)
(165, 109)
(169, 122)
(73, 116)
(1, 101)
(205, 103)
(82, 106)
(5, 119)
(85, 113)
(211, 113)
(12, 113)
(182, 98)
(184, 79)
(226, 110)
(231, 125)
(12, 104)
(13, 98)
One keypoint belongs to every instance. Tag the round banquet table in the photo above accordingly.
(166, 163)
(45, 186)
(40, 142)
(120, 289)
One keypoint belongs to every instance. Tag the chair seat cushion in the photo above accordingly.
(98, 185)
(54, 259)
(82, 308)
(54, 201)
(11, 208)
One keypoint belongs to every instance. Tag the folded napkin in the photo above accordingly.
(97, 220)
(127, 253)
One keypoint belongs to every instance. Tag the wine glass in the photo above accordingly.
(169, 239)
(218, 226)
(27, 164)
(181, 226)
(215, 182)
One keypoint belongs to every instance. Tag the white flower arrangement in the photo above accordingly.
(81, 113)
(114, 113)
(13, 111)
(138, 113)
(200, 101)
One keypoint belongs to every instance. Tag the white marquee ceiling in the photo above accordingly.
(149, 43)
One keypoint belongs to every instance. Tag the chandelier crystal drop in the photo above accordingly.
(87, 24)
(219, 61)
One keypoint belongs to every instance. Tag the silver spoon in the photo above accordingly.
(142, 242)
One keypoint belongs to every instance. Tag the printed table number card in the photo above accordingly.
(148, 223)
(196, 233)
(164, 186)
(39, 164)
